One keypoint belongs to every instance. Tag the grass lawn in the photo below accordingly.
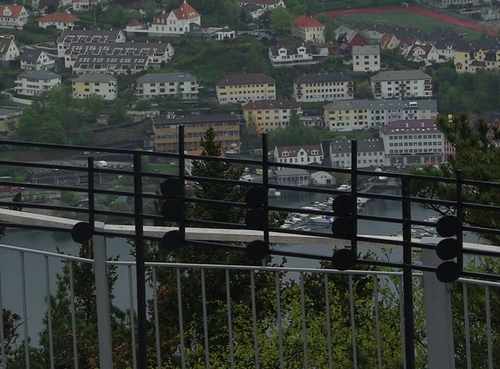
(408, 19)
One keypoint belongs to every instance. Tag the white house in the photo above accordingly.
(176, 22)
(366, 58)
(370, 153)
(265, 4)
(309, 29)
(317, 87)
(291, 55)
(84, 5)
(13, 16)
(8, 50)
(36, 59)
(163, 85)
(322, 178)
(401, 84)
(307, 154)
(101, 84)
(34, 82)
(423, 53)
(61, 20)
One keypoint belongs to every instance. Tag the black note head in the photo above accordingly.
(171, 241)
(448, 248)
(81, 232)
(170, 210)
(256, 218)
(171, 188)
(448, 226)
(448, 272)
(343, 227)
(257, 250)
(343, 259)
(255, 196)
(342, 205)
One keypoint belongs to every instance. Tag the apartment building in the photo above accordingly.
(269, 115)
(182, 85)
(370, 153)
(166, 131)
(241, 88)
(401, 84)
(366, 58)
(100, 84)
(363, 114)
(413, 142)
(309, 29)
(317, 87)
(92, 37)
(34, 82)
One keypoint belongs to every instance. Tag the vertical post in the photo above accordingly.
(140, 269)
(354, 196)
(102, 300)
(265, 184)
(407, 276)
(437, 298)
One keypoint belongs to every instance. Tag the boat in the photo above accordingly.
(344, 187)
(273, 193)
(321, 219)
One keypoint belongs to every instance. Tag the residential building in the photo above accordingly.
(84, 5)
(477, 54)
(351, 39)
(34, 82)
(401, 84)
(176, 22)
(240, 88)
(290, 177)
(61, 20)
(364, 114)
(366, 58)
(370, 153)
(117, 58)
(317, 87)
(36, 59)
(166, 131)
(306, 154)
(254, 10)
(291, 55)
(322, 178)
(93, 37)
(413, 142)
(309, 29)
(210, 33)
(443, 4)
(100, 84)
(389, 41)
(8, 50)
(423, 53)
(13, 16)
(269, 115)
(9, 119)
(265, 4)
(162, 85)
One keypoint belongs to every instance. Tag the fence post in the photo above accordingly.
(438, 318)
(102, 299)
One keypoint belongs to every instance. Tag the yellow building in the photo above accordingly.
(269, 115)
(100, 84)
(481, 53)
(166, 131)
(240, 88)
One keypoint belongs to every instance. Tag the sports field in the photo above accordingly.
(408, 19)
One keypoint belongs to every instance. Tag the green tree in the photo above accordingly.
(281, 19)
(94, 105)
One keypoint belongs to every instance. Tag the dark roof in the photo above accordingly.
(364, 145)
(46, 3)
(325, 77)
(410, 126)
(30, 55)
(290, 49)
(443, 34)
(398, 31)
(244, 79)
(89, 35)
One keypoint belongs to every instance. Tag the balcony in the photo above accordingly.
(353, 310)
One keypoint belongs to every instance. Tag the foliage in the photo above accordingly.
(476, 146)
(296, 135)
(281, 19)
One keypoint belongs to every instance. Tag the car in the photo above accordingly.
(230, 152)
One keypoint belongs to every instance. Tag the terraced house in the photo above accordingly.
(69, 37)
(162, 85)
(269, 115)
(241, 88)
(474, 55)
(323, 87)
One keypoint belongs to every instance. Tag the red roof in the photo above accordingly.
(185, 11)
(60, 17)
(306, 22)
(294, 150)
(133, 23)
(15, 9)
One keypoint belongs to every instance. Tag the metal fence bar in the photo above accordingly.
(25, 312)
(49, 312)
(488, 326)
(2, 332)
(328, 322)
(304, 320)
(353, 325)
(73, 313)
(132, 315)
(377, 321)
(278, 319)
(467, 326)
(402, 320)
(254, 321)
(157, 322)
(181, 318)
(205, 318)
(229, 320)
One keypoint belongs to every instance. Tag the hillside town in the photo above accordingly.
(397, 109)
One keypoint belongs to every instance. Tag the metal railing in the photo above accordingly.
(254, 237)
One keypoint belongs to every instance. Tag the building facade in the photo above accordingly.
(401, 84)
(291, 55)
(8, 50)
(93, 37)
(100, 84)
(241, 88)
(36, 59)
(166, 131)
(269, 115)
(366, 58)
(309, 29)
(61, 20)
(370, 153)
(307, 154)
(34, 82)
(175, 23)
(323, 87)
(13, 16)
(162, 85)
